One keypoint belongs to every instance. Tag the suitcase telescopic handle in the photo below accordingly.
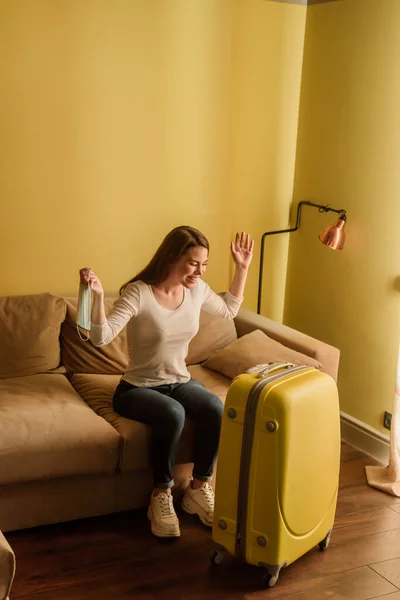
(275, 367)
(266, 369)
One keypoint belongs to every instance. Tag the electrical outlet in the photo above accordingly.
(387, 420)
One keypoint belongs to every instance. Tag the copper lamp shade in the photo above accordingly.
(334, 236)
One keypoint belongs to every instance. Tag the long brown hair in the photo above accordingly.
(174, 245)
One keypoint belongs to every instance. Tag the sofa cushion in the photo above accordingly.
(214, 333)
(82, 357)
(47, 430)
(253, 349)
(98, 391)
(29, 334)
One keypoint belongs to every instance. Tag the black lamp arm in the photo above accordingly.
(321, 208)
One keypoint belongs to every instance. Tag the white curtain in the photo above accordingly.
(387, 479)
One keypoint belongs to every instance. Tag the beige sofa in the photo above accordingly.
(64, 453)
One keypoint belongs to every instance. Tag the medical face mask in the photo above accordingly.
(84, 310)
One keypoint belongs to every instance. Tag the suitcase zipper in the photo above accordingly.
(247, 443)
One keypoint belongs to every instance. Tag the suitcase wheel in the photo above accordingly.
(270, 580)
(217, 556)
(325, 542)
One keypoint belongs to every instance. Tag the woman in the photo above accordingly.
(161, 308)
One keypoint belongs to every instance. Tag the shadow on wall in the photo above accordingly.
(396, 284)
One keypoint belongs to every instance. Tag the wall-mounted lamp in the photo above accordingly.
(333, 236)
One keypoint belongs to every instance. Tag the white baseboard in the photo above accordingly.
(365, 437)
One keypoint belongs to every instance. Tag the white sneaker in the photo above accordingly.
(200, 502)
(161, 513)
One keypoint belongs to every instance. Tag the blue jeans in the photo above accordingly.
(164, 408)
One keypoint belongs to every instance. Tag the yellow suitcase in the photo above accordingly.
(278, 466)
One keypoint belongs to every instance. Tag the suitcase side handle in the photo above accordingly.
(265, 369)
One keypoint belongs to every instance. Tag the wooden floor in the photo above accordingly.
(116, 558)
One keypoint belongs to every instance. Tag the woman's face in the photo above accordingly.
(190, 267)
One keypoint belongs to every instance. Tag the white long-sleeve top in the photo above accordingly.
(158, 338)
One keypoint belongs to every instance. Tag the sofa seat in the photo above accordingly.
(98, 390)
(215, 382)
(48, 431)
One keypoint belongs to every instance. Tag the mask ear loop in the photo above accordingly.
(80, 335)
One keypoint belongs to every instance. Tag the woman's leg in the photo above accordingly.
(166, 417)
(205, 410)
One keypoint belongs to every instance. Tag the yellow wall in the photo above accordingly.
(266, 76)
(114, 129)
(348, 156)
(120, 120)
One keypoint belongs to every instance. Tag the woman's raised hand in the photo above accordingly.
(242, 250)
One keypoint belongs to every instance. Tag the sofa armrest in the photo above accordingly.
(7, 567)
(328, 356)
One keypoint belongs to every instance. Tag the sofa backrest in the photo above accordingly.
(29, 334)
(78, 356)
(328, 356)
(214, 333)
